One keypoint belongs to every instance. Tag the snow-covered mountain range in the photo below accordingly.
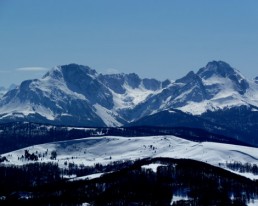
(78, 95)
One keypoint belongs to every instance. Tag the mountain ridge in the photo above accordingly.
(77, 95)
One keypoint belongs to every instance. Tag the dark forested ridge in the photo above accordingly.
(128, 184)
(18, 135)
(239, 123)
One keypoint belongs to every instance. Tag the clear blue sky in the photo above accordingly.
(160, 39)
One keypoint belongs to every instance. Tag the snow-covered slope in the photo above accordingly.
(214, 87)
(77, 95)
(49, 99)
(217, 94)
(106, 149)
(225, 87)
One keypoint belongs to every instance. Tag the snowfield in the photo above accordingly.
(106, 149)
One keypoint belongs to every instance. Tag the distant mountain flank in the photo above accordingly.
(219, 96)
(4, 90)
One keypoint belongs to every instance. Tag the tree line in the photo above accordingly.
(125, 183)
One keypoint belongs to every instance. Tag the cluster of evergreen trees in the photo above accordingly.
(243, 168)
(125, 183)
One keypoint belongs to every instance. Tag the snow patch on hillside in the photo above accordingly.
(153, 166)
(108, 116)
(17, 109)
(131, 97)
(87, 177)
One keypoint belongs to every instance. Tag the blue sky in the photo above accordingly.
(160, 39)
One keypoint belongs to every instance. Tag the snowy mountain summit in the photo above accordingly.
(221, 87)
(78, 95)
(214, 87)
(216, 70)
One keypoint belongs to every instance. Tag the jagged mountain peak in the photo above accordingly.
(190, 77)
(70, 71)
(218, 68)
(166, 83)
(214, 71)
(121, 82)
(77, 94)
(77, 68)
(133, 80)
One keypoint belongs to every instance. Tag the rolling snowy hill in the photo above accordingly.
(107, 149)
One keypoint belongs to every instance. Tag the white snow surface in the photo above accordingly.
(226, 97)
(19, 109)
(108, 116)
(87, 177)
(253, 202)
(153, 166)
(106, 149)
(176, 198)
(131, 97)
(53, 89)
